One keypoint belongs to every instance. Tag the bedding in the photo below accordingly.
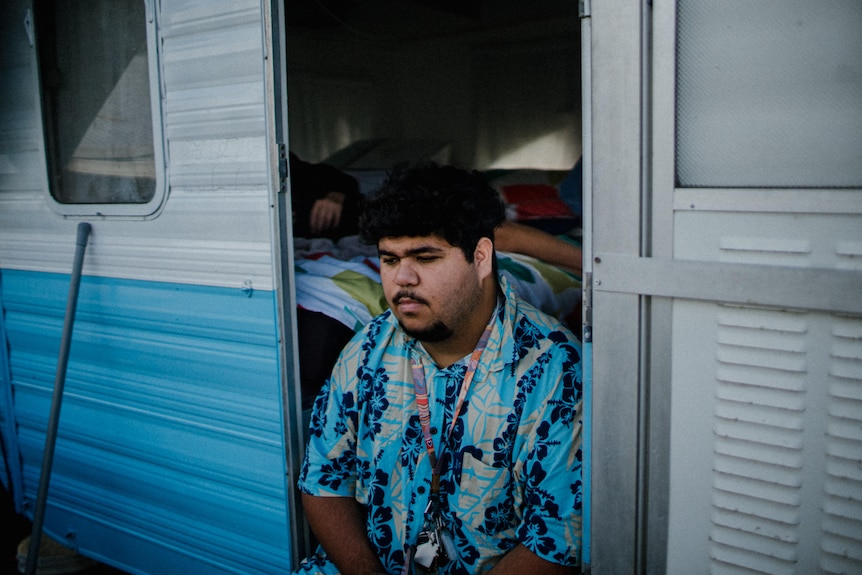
(342, 280)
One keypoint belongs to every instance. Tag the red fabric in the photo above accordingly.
(533, 201)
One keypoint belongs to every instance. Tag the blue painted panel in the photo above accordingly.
(10, 476)
(587, 359)
(170, 456)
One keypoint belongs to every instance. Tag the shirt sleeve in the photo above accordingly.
(551, 524)
(329, 466)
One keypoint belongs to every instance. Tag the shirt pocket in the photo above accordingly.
(486, 500)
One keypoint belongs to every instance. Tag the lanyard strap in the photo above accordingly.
(422, 402)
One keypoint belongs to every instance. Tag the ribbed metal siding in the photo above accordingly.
(214, 106)
(170, 445)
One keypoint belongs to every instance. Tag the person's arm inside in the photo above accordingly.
(339, 525)
(339, 199)
(326, 212)
(522, 239)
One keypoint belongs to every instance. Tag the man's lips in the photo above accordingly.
(409, 303)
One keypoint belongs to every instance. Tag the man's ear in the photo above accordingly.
(484, 256)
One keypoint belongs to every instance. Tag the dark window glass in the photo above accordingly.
(96, 100)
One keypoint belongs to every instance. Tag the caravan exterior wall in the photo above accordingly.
(174, 450)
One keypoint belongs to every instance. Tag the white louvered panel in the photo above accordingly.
(750, 389)
(752, 490)
(759, 250)
(762, 435)
(749, 521)
(842, 510)
(756, 563)
(758, 449)
(817, 240)
(762, 507)
(737, 552)
(770, 449)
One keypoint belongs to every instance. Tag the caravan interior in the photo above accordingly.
(487, 86)
(479, 83)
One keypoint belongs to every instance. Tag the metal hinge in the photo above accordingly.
(584, 8)
(587, 307)
(282, 169)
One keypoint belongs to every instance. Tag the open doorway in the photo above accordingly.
(491, 86)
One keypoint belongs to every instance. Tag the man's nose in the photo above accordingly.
(406, 275)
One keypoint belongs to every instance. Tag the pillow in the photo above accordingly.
(532, 197)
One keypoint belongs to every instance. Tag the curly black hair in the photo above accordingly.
(426, 199)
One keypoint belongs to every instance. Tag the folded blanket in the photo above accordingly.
(342, 280)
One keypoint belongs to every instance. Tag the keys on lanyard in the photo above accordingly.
(434, 546)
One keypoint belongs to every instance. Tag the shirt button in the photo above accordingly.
(434, 431)
(420, 490)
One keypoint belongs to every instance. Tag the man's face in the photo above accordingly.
(432, 289)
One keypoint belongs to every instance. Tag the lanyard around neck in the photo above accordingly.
(422, 401)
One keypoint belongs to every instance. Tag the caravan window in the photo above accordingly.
(102, 140)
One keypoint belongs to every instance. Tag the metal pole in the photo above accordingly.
(57, 399)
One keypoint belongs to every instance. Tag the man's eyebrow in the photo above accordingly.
(421, 250)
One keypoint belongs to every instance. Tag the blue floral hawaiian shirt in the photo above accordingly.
(512, 469)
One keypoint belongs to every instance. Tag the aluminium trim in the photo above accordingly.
(815, 289)
(769, 200)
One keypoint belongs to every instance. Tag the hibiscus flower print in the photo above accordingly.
(536, 538)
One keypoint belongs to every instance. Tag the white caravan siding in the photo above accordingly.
(215, 227)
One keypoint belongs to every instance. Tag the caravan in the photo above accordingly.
(721, 158)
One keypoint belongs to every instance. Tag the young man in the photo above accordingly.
(448, 438)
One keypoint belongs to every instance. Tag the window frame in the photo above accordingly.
(145, 210)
